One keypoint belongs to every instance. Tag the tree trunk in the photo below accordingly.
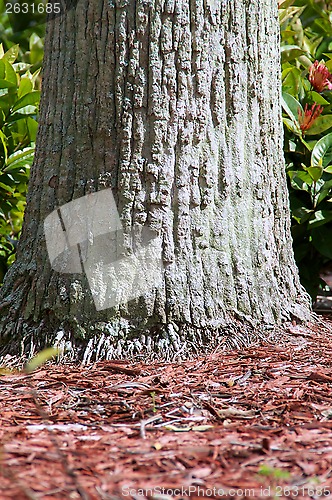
(172, 106)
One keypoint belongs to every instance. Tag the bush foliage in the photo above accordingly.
(20, 65)
(306, 34)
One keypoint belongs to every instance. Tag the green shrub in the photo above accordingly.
(19, 99)
(306, 32)
(20, 62)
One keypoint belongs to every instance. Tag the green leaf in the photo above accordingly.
(266, 470)
(300, 180)
(324, 191)
(288, 33)
(3, 140)
(325, 27)
(35, 76)
(36, 48)
(290, 52)
(317, 98)
(24, 112)
(19, 159)
(6, 188)
(10, 75)
(325, 45)
(288, 13)
(320, 218)
(321, 124)
(301, 214)
(292, 81)
(2, 118)
(291, 126)
(8, 78)
(2, 70)
(306, 63)
(27, 100)
(21, 66)
(41, 358)
(328, 169)
(315, 172)
(286, 3)
(11, 54)
(305, 177)
(306, 144)
(291, 106)
(25, 86)
(322, 241)
(328, 64)
(32, 127)
(5, 84)
(311, 45)
(290, 145)
(19, 154)
(322, 151)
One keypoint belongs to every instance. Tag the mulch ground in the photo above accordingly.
(253, 423)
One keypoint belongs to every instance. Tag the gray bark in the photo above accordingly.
(174, 105)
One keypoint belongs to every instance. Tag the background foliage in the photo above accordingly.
(306, 37)
(21, 54)
(306, 34)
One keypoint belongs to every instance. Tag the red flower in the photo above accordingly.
(320, 77)
(310, 114)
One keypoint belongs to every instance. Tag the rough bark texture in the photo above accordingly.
(175, 106)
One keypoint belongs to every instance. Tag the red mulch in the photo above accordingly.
(254, 423)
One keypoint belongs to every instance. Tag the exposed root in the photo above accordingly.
(170, 342)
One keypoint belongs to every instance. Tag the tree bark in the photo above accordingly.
(174, 105)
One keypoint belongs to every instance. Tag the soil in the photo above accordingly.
(251, 423)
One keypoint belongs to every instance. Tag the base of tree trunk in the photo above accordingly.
(142, 328)
(172, 341)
